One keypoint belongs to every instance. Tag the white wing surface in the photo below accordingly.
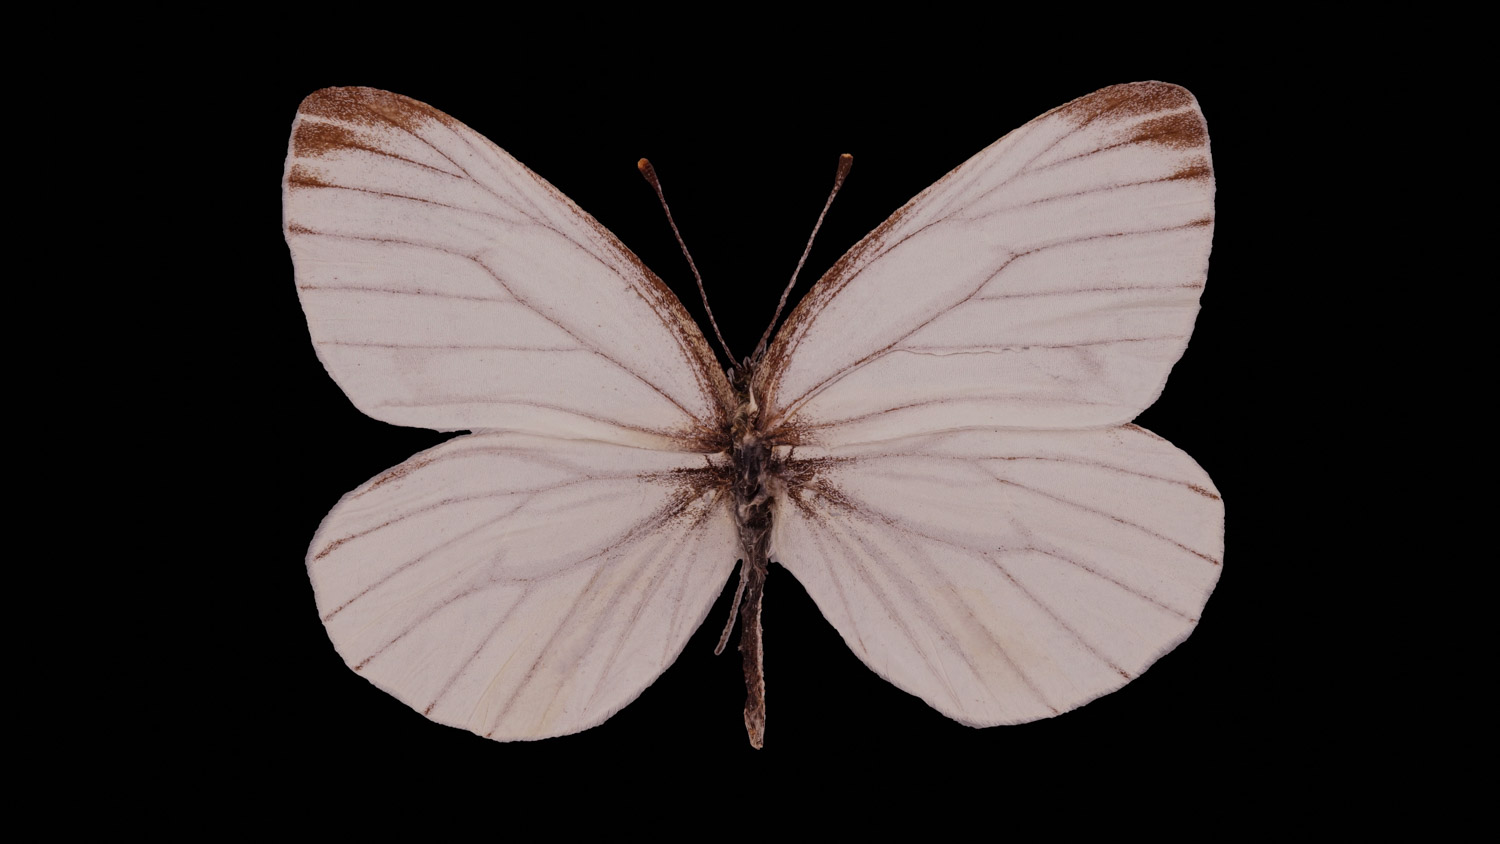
(1049, 282)
(521, 586)
(1005, 576)
(963, 500)
(446, 286)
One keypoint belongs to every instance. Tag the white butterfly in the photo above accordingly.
(941, 424)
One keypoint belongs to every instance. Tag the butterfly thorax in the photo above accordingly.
(753, 460)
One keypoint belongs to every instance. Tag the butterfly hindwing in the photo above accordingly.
(1006, 576)
(522, 586)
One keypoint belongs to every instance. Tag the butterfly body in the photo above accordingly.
(936, 442)
(757, 480)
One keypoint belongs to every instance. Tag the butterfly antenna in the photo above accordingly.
(845, 162)
(650, 173)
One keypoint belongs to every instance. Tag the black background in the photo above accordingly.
(746, 166)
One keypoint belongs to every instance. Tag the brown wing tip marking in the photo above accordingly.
(1134, 100)
(302, 177)
(1193, 170)
(315, 139)
(1184, 130)
(365, 107)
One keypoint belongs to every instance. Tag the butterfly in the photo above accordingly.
(935, 442)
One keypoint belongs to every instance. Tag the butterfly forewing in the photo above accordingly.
(1051, 281)
(446, 286)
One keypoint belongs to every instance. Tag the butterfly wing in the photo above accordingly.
(530, 579)
(1050, 281)
(1004, 577)
(522, 586)
(970, 512)
(446, 286)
